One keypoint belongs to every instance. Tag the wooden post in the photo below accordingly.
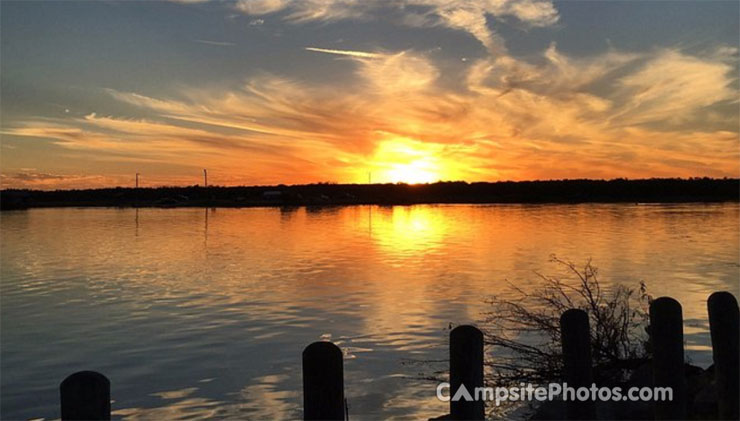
(724, 325)
(666, 336)
(575, 335)
(323, 382)
(466, 368)
(85, 395)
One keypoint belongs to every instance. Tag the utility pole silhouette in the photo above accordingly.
(369, 177)
(137, 180)
(205, 177)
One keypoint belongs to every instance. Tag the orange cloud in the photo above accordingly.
(611, 115)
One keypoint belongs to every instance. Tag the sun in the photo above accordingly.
(403, 160)
(415, 172)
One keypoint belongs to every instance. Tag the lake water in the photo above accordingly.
(204, 313)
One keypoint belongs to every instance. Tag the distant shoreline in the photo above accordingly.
(664, 190)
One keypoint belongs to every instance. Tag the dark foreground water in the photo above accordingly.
(204, 313)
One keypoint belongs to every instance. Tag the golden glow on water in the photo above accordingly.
(408, 231)
(232, 296)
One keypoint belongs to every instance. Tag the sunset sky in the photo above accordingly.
(282, 91)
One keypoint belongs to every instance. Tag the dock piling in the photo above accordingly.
(466, 368)
(85, 395)
(666, 336)
(577, 372)
(323, 382)
(724, 326)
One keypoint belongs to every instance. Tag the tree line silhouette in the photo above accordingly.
(654, 190)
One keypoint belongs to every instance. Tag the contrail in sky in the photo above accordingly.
(350, 53)
(221, 43)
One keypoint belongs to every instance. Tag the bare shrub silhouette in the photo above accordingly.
(524, 331)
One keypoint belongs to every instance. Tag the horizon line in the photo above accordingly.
(331, 183)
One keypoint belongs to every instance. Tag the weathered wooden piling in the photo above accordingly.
(85, 395)
(575, 334)
(724, 326)
(323, 382)
(466, 368)
(666, 336)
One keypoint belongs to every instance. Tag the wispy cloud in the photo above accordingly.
(672, 85)
(42, 180)
(464, 15)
